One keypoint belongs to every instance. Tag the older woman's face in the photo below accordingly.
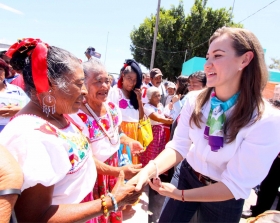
(155, 99)
(70, 100)
(98, 86)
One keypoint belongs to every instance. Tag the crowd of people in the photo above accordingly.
(70, 134)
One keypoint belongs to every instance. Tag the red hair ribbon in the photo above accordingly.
(38, 61)
(120, 82)
(121, 78)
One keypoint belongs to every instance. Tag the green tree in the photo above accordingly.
(275, 64)
(176, 34)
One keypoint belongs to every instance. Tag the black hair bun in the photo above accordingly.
(19, 58)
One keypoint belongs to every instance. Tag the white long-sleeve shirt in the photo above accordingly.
(241, 164)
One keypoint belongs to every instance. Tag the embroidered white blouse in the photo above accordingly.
(101, 146)
(129, 114)
(240, 165)
(51, 156)
(149, 109)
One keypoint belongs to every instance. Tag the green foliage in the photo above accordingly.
(275, 64)
(176, 34)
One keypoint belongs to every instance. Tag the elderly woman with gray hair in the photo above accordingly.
(154, 110)
(102, 119)
(49, 146)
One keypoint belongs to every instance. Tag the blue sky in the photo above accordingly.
(75, 25)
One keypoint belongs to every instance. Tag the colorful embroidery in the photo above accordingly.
(78, 146)
(158, 110)
(95, 133)
(111, 105)
(46, 128)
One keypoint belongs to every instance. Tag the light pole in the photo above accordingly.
(155, 38)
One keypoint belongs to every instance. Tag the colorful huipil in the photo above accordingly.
(51, 156)
(104, 151)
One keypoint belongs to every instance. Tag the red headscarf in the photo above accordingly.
(38, 61)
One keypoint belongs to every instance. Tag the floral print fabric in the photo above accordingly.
(104, 183)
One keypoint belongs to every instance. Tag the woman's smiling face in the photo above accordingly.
(222, 65)
(98, 86)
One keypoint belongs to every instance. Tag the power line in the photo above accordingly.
(257, 11)
(173, 52)
(232, 9)
(157, 50)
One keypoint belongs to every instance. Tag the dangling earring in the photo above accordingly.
(49, 104)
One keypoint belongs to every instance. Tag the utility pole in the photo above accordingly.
(155, 38)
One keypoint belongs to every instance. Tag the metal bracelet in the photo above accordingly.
(10, 191)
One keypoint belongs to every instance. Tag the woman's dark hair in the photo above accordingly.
(253, 80)
(5, 66)
(182, 86)
(131, 66)
(59, 63)
(200, 76)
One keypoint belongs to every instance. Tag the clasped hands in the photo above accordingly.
(142, 179)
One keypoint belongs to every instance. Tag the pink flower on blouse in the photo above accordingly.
(91, 133)
(123, 104)
(111, 105)
(95, 125)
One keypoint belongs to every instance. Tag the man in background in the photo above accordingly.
(156, 80)
(90, 52)
(146, 80)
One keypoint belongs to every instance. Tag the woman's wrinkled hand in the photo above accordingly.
(138, 93)
(164, 189)
(135, 147)
(131, 170)
(125, 193)
(140, 180)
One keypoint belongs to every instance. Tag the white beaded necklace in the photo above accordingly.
(110, 135)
